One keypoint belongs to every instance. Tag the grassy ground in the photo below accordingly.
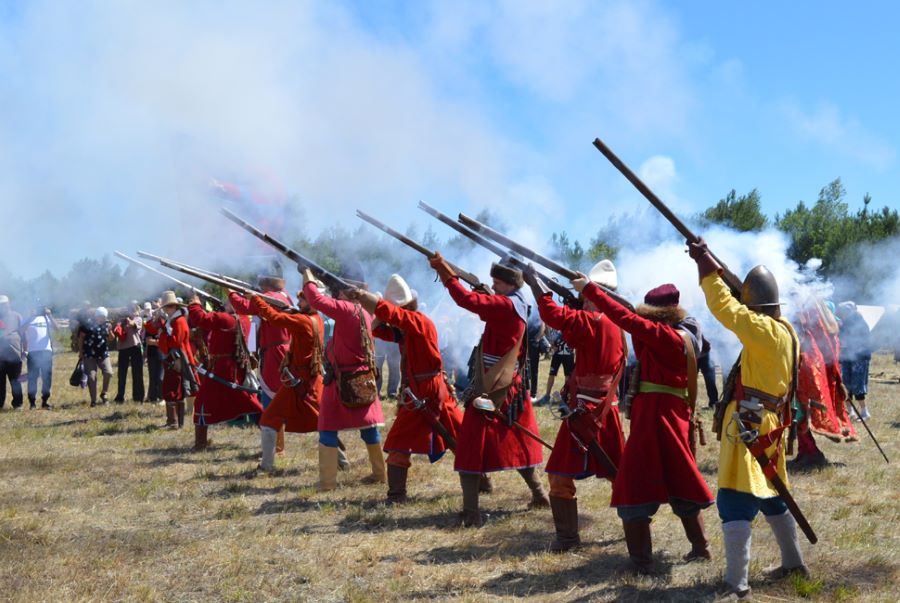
(96, 504)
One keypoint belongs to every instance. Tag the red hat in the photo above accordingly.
(663, 296)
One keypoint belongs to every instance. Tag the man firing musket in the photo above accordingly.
(754, 414)
(428, 418)
(487, 441)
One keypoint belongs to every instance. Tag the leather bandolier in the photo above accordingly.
(494, 383)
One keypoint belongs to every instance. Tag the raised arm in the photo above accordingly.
(485, 306)
(651, 333)
(749, 326)
(333, 308)
(276, 318)
(210, 321)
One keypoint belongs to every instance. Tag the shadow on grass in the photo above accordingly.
(895, 425)
(181, 454)
(67, 423)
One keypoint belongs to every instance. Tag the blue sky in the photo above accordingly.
(114, 117)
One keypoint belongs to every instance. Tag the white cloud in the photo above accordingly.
(826, 125)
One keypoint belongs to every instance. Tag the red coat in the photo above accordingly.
(216, 402)
(297, 407)
(599, 356)
(179, 338)
(657, 463)
(486, 443)
(344, 351)
(272, 342)
(423, 373)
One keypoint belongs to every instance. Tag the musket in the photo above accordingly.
(215, 280)
(331, 280)
(207, 296)
(465, 275)
(223, 277)
(863, 421)
(551, 284)
(750, 438)
(734, 283)
(420, 405)
(502, 416)
(534, 256)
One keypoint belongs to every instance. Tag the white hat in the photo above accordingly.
(397, 291)
(4, 299)
(168, 299)
(604, 273)
(101, 312)
(147, 306)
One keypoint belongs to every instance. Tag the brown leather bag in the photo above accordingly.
(359, 389)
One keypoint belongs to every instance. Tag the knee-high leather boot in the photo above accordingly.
(538, 498)
(471, 515)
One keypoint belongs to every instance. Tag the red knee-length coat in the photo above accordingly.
(485, 442)
(423, 372)
(272, 342)
(599, 356)
(657, 463)
(216, 402)
(178, 338)
(296, 407)
(345, 352)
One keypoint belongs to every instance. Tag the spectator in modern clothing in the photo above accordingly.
(537, 345)
(128, 343)
(562, 356)
(94, 351)
(10, 353)
(856, 353)
(705, 364)
(38, 331)
(154, 358)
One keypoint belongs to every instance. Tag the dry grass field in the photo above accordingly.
(97, 504)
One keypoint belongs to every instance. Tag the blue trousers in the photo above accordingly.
(369, 435)
(743, 506)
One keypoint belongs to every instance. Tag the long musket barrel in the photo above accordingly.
(333, 281)
(216, 280)
(554, 286)
(208, 296)
(732, 280)
(534, 256)
(463, 274)
(221, 277)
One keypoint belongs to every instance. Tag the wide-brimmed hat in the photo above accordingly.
(4, 299)
(397, 291)
(169, 299)
(604, 273)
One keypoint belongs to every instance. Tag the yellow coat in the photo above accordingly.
(766, 365)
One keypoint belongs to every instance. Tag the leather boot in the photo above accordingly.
(693, 529)
(279, 443)
(201, 442)
(327, 468)
(376, 459)
(565, 517)
(470, 516)
(538, 498)
(179, 409)
(485, 486)
(171, 420)
(396, 479)
(640, 545)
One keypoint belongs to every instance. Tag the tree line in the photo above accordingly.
(827, 229)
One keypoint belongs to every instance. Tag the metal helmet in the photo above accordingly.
(760, 288)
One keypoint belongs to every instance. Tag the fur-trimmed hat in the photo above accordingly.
(507, 274)
(661, 305)
(397, 291)
(604, 273)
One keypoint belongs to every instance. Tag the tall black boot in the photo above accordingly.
(396, 479)
(640, 545)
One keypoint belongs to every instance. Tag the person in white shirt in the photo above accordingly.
(38, 330)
